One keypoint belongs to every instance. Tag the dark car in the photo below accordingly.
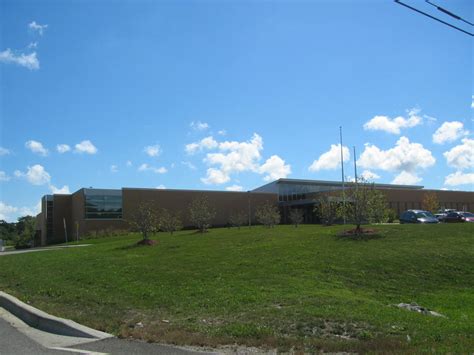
(459, 217)
(418, 216)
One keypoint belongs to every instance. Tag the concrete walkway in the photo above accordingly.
(32, 250)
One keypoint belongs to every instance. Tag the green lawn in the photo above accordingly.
(289, 288)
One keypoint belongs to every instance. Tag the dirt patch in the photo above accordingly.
(147, 242)
(359, 234)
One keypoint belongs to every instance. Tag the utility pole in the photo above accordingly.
(342, 171)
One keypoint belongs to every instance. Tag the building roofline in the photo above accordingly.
(337, 183)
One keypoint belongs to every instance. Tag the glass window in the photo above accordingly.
(103, 206)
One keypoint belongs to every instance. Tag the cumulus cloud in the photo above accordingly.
(29, 61)
(405, 156)
(275, 168)
(86, 147)
(406, 178)
(449, 132)
(459, 178)
(331, 159)
(63, 190)
(4, 151)
(146, 167)
(385, 123)
(234, 157)
(11, 213)
(234, 188)
(205, 143)
(369, 175)
(461, 156)
(35, 175)
(4, 176)
(36, 147)
(153, 150)
(199, 126)
(36, 27)
(63, 148)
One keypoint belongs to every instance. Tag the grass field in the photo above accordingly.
(285, 288)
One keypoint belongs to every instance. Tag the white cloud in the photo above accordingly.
(234, 157)
(129, 163)
(215, 177)
(4, 176)
(459, 178)
(11, 213)
(461, 156)
(37, 27)
(85, 146)
(161, 187)
(153, 150)
(63, 190)
(472, 103)
(205, 143)
(199, 126)
(449, 132)
(4, 151)
(234, 188)
(146, 167)
(113, 168)
(406, 178)
(275, 168)
(63, 148)
(29, 61)
(35, 175)
(385, 123)
(32, 45)
(222, 132)
(405, 156)
(331, 159)
(369, 175)
(36, 147)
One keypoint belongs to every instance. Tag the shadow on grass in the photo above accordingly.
(363, 235)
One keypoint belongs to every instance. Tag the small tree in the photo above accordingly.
(170, 222)
(145, 220)
(327, 207)
(268, 214)
(25, 231)
(296, 216)
(238, 219)
(361, 199)
(430, 202)
(201, 213)
(377, 212)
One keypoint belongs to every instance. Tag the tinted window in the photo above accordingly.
(452, 214)
(103, 206)
(468, 214)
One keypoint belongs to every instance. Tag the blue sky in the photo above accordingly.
(229, 95)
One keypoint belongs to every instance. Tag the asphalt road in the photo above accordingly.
(14, 342)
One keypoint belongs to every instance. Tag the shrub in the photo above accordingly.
(268, 214)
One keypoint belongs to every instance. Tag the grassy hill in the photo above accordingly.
(291, 288)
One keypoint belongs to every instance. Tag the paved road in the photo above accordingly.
(14, 342)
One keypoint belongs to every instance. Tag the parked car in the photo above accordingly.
(459, 217)
(417, 216)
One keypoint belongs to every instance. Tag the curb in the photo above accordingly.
(43, 321)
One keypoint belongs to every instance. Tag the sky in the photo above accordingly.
(230, 95)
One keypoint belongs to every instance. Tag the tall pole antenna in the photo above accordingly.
(342, 172)
(355, 164)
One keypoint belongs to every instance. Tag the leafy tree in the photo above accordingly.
(430, 202)
(328, 209)
(238, 219)
(25, 232)
(377, 207)
(268, 214)
(145, 220)
(170, 222)
(391, 215)
(201, 213)
(7, 230)
(296, 216)
(361, 200)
